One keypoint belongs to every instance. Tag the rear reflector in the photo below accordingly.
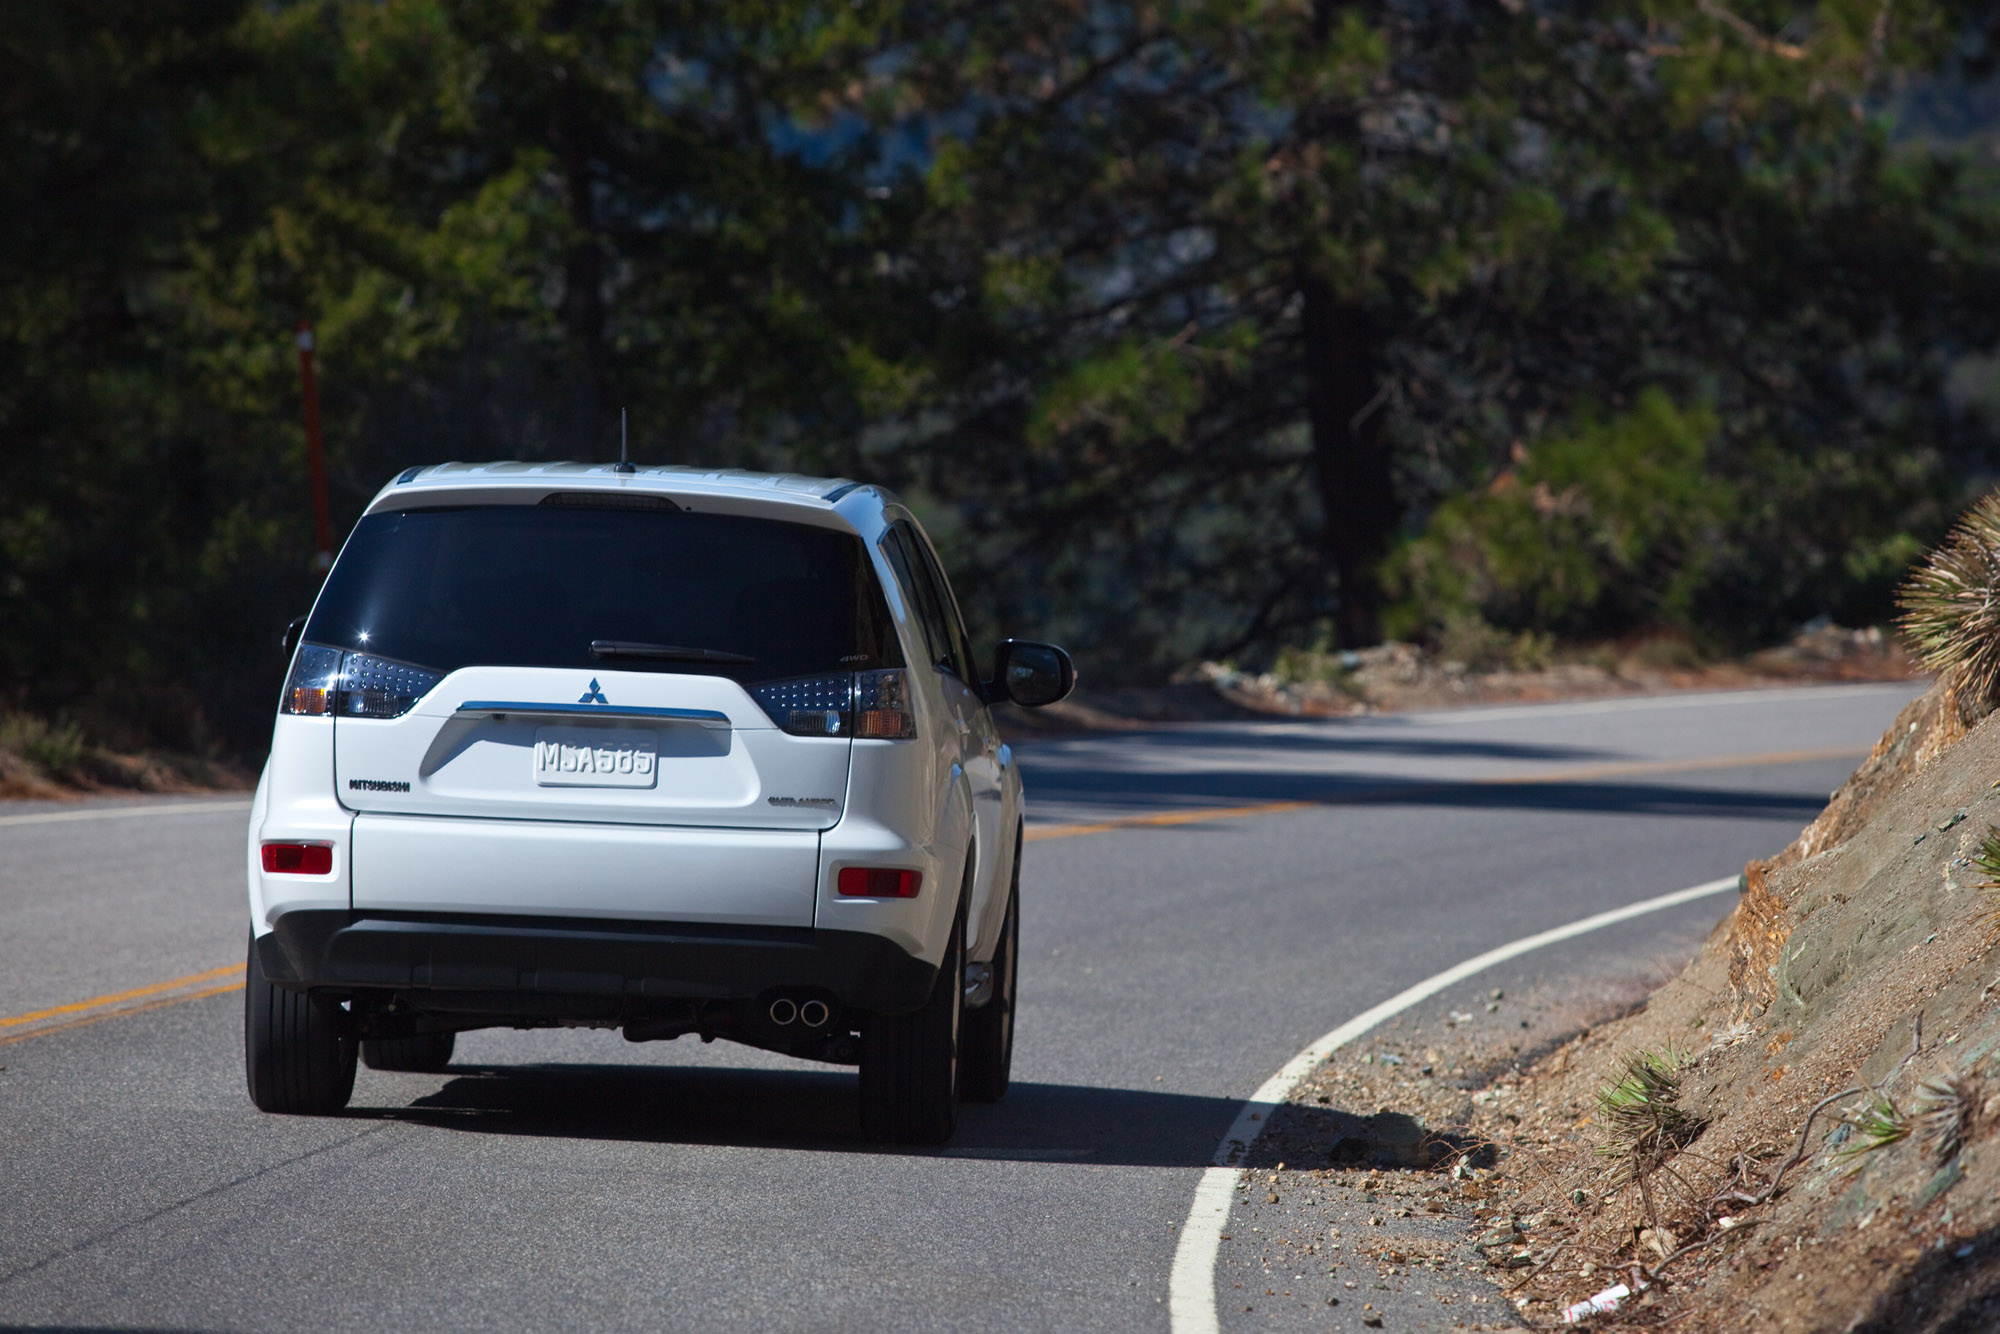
(298, 858)
(879, 882)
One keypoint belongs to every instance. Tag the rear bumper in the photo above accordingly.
(583, 968)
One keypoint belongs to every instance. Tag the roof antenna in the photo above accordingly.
(624, 463)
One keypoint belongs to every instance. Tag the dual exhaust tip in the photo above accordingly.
(785, 1012)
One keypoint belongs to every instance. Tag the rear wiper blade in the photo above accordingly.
(622, 648)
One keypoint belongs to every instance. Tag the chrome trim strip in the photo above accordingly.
(593, 711)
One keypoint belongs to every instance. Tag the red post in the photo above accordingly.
(315, 455)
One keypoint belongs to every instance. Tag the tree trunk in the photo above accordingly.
(582, 307)
(1350, 457)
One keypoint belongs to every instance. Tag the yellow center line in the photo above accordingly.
(102, 1002)
(114, 1005)
(82, 1021)
(1038, 832)
(1572, 774)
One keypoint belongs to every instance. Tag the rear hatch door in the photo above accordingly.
(578, 665)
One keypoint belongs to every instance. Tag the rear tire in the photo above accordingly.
(298, 1054)
(909, 1062)
(989, 1030)
(425, 1053)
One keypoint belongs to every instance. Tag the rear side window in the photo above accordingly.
(935, 614)
(961, 644)
(532, 586)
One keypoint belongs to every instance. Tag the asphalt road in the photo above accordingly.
(1173, 958)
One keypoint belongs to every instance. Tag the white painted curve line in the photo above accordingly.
(125, 812)
(1191, 1286)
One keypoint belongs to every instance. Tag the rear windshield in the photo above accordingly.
(533, 586)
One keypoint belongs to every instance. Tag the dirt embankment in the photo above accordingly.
(1858, 975)
(57, 762)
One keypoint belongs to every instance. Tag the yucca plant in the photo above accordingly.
(1643, 1114)
(1879, 1124)
(1951, 604)
(1945, 1106)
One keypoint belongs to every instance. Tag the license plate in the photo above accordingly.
(596, 757)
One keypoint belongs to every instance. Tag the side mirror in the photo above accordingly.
(292, 632)
(1031, 674)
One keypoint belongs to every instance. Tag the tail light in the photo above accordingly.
(879, 882)
(298, 858)
(314, 685)
(372, 687)
(871, 705)
(882, 706)
(809, 705)
(356, 685)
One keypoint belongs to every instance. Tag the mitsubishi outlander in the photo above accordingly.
(657, 749)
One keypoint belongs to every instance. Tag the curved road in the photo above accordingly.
(1200, 903)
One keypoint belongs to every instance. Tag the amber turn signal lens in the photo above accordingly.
(309, 699)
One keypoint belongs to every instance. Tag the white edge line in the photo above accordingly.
(119, 812)
(1191, 1286)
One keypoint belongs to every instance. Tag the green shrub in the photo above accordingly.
(1599, 529)
(1483, 647)
(55, 749)
(1986, 860)
(1642, 1114)
(1664, 653)
(1467, 637)
(1877, 1126)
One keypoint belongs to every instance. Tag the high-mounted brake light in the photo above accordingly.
(298, 858)
(879, 882)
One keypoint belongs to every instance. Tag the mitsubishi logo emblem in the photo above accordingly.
(594, 695)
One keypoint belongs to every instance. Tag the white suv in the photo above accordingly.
(654, 749)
